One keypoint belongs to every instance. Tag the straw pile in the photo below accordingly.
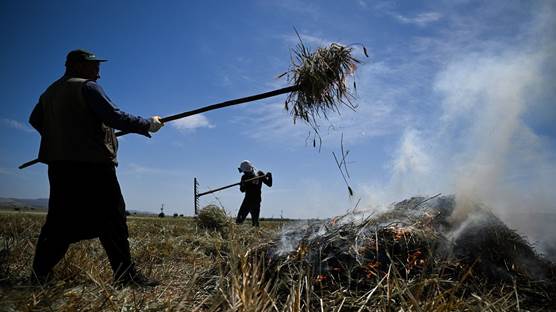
(212, 217)
(414, 251)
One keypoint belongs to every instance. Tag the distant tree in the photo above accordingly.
(161, 215)
(175, 215)
(181, 214)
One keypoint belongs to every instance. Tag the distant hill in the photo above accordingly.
(40, 203)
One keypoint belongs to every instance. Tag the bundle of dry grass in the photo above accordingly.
(212, 217)
(321, 81)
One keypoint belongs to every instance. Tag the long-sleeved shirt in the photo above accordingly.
(252, 189)
(110, 114)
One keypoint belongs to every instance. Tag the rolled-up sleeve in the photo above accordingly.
(110, 114)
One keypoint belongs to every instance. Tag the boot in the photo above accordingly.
(135, 278)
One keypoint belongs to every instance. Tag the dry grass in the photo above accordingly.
(175, 251)
(321, 78)
(337, 265)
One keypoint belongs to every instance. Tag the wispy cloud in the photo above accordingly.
(5, 171)
(192, 122)
(421, 19)
(139, 169)
(14, 124)
(390, 8)
(362, 4)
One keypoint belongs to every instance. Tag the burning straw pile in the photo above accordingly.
(409, 258)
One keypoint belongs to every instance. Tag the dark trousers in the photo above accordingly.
(50, 251)
(249, 206)
(85, 202)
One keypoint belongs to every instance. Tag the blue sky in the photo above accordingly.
(456, 97)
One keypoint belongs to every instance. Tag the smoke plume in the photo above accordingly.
(485, 147)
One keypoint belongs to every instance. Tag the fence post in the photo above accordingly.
(196, 195)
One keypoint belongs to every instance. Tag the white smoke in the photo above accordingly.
(503, 161)
(492, 91)
(482, 147)
(411, 165)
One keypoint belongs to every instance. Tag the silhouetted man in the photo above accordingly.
(76, 121)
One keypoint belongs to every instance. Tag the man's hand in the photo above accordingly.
(155, 124)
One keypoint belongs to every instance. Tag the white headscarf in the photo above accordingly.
(246, 166)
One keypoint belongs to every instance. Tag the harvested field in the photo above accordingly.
(185, 259)
(410, 258)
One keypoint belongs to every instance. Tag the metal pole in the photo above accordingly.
(196, 195)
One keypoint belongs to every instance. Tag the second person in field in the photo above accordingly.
(251, 184)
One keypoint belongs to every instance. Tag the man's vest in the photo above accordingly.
(72, 132)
